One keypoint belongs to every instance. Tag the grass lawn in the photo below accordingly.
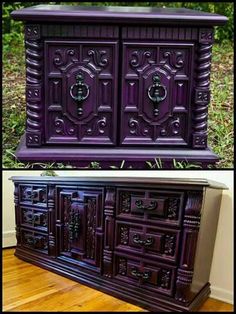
(220, 109)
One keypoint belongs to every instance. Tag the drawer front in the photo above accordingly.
(150, 206)
(147, 241)
(35, 195)
(81, 93)
(34, 217)
(34, 240)
(156, 98)
(155, 277)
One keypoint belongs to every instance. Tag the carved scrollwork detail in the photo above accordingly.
(139, 58)
(206, 35)
(136, 129)
(63, 57)
(173, 207)
(124, 235)
(26, 193)
(202, 96)
(165, 278)
(172, 127)
(98, 127)
(98, 58)
(74, 224)
(61, 128)
(91, 228)
(122, 266)
(175, 58)
(125, 202)
(169, 246)
(32, 31)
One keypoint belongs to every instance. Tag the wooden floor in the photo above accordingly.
(29, 288)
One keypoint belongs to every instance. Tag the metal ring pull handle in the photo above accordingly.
(154, 93)
(82, 91)
(137, 240)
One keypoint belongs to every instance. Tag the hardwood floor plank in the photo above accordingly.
(27, 287)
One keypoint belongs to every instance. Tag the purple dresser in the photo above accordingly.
(147, 241)
(117, 85)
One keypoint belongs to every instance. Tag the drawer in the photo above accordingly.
(155, 277)
(156, 97)
(34, 217)
(147, 241)
(34, 240)
(81, 93)
(150, 206)
(33, 195)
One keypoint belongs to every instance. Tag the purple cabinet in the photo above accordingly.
(134, 79)
(141, 240)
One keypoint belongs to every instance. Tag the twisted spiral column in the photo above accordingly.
(34, 60)
(202, 95)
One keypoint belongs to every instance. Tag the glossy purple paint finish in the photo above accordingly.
(119, 62)
(134, 238)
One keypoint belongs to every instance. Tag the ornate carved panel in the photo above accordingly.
(157, 89)
(82, 94)
(35, 195)
(81, 226)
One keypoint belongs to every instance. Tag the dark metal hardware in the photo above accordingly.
(136, 239)
(154, 93)
(82, 91)
(152, 206)
(138, 274)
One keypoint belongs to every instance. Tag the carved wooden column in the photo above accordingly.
(109, 232)
(17, 213)
(202, 88)
(51, 221)
(34, 82)
(191, 223)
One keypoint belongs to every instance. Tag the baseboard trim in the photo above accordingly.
(222, 294)
(9, 239)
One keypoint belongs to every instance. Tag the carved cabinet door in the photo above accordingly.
(156, 84)
(81, 93)
(79, 223)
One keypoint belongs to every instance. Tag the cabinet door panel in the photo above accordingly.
(156, 84)
(87, 71)
(80, 224)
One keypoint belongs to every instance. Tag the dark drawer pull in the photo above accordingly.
(82, 91)
(152, 206)
(38, 219)
(137, 240)
(138, 274)
(155, 91)
(34, 240)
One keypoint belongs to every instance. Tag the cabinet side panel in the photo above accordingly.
(206, 238)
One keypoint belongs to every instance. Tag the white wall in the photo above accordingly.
(221, 276)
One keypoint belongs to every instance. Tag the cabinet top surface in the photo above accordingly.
(126, 180)
(117, 14)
